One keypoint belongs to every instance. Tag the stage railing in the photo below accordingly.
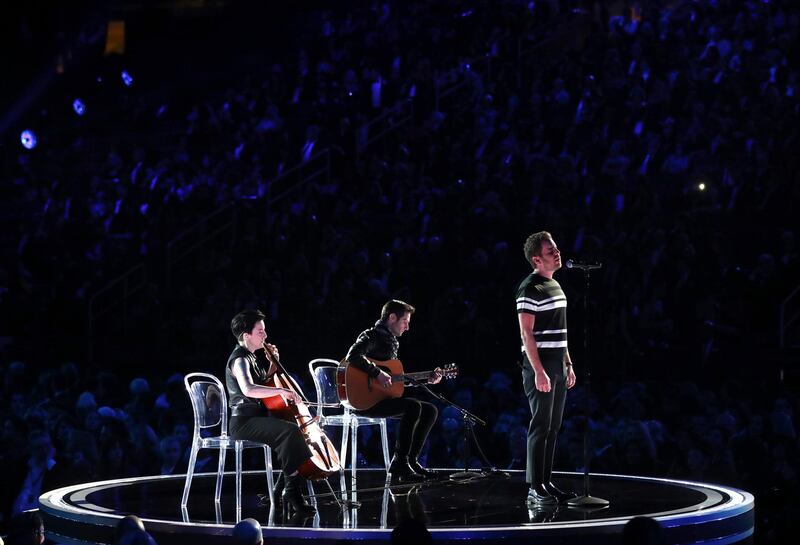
(381, 126)
(789, 314)
(317, 166)
(222, 222)
(448, 83)
(194, 239)
(114, 297)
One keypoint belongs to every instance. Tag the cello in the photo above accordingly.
(324, 460)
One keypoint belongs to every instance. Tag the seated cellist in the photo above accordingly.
(245, 373)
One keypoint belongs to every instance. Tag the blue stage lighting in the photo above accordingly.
(127, 79)
(28, 139)
(79, 106)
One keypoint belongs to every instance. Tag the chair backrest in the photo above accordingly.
(209, 403)
(323, 371)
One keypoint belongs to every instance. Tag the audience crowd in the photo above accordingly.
(652, 136)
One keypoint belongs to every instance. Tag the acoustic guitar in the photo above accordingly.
(358, 391)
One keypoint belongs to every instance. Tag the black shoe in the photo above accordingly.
(538, 495)
(302, 520)
(426, 473)
(277, 492)
(402, 472)
(560, 495)
(293, 496)
(543, 513)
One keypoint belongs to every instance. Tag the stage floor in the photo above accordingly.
(487, 508)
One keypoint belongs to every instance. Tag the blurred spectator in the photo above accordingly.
(642, 531)
(42, 472)
(137, 537)
(411, 530)
(248, 532)
(170, 453)
(127, 524)
(26, 528)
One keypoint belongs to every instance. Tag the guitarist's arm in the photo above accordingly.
(356, 358)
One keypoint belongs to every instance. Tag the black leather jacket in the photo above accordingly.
(377, 343)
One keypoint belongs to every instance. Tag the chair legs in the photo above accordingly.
(354, 455)
(312, 496)
(345, 441)
(237, 447)
(270, 480)
(385, 444)
(220, 473)
(350, 447)
(189, 474)
(343, 455)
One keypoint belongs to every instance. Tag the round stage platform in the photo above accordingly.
(487, 507)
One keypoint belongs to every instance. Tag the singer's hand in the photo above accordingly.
(384, 379)
(570, 377)
(542, 382)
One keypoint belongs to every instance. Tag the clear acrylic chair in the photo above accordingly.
(210, 408)
(333, 413)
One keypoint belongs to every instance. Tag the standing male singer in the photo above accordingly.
(546, 365)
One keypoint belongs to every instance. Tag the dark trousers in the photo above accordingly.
(416, 420)
(282, 436)
(547, 409)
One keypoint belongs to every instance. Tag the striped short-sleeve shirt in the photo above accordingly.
(544, 298)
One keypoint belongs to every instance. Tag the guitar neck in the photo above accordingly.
(412, 376)
(396, 371)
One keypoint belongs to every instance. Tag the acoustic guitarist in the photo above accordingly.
(416, 417)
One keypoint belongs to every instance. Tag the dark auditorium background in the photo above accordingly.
(315, 158)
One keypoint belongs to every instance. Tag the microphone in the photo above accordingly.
(584, 265)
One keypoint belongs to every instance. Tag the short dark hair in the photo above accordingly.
(137, 537)
(128, 523)
(24, 525)
(248, 532)
(643, 530)
(533, 244)
(411, 531)
(396, 307)
(245, 321)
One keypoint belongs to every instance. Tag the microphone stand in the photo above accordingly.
(586, 500)
(469, 420)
